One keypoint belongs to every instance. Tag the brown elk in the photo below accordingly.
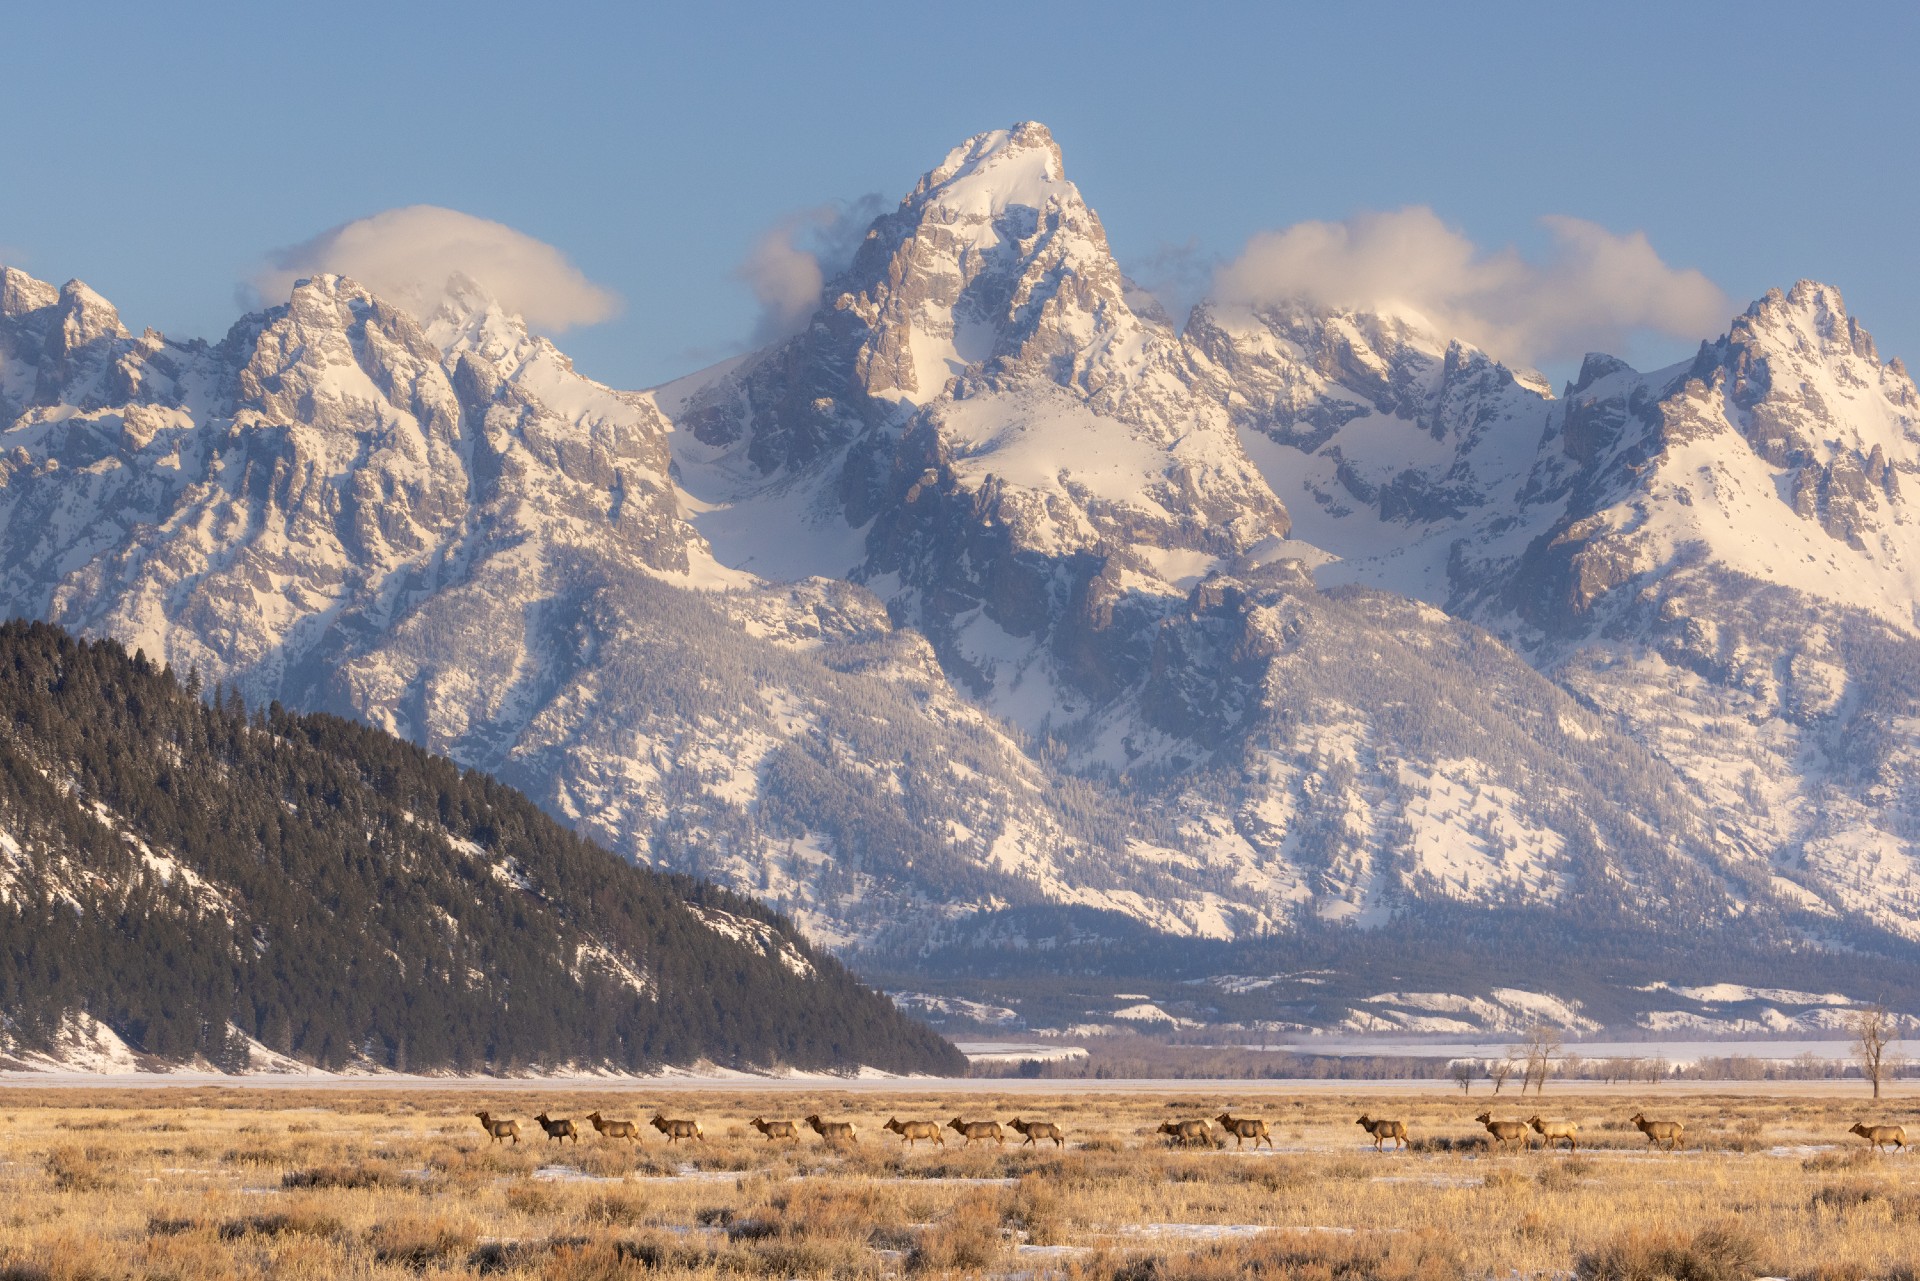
(563, 1129)
(1384, 1130)
(833, 1131)
(613, 1129)
(499, 1129)
(1188, 1133)
(1037, 1130)
(677, 1130)
(776, 1129)
(1505, 1133)
(1657, 1132)
(1878, 1136)
(914, 1131)
(971, 1130)
(1243, 1128)
(1554, 1131)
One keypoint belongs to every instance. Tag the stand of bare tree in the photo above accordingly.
(1874, 1028)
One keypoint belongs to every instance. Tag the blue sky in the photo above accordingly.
(161, 155)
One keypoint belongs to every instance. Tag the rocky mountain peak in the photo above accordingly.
(1809, 380)
(997, 168)
(58, 345)
(1595, 366)
(470, 319)
(993, 267)
(335, 343)
(21, 293)
(992, 272)
(1810, 319)
(82, 317)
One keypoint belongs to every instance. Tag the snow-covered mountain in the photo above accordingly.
(1715, 558)
(990, 590)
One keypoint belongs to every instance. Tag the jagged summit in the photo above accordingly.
(21, 293)
(1001, 167)
(980, 428)
(991, 270)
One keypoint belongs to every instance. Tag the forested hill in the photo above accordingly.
(212, 883)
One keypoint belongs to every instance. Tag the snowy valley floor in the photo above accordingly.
(237, 1181)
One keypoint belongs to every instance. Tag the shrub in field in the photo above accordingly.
(1722, 1252)
(362, 1175)
(1840, 1198)
(1850, 1159)
(616, 1209)
(1419, 1256)
(293, 1223)
(1037, 1209)
(532, 1198)
(1504, 1179)
(74, 1170)
(969, 1237)
(420, 1243)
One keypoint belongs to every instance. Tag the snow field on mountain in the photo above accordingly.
(1725, 506)
(1472, 838)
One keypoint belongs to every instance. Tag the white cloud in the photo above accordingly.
(791, 263)
(408, 256)
(1593, 291)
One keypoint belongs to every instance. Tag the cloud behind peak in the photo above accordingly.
(410, 254)
(1593, 290)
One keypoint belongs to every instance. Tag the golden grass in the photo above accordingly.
(400, 1183)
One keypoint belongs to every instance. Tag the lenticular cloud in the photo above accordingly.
(410, 255)
(1593, 290)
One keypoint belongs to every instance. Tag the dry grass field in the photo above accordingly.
(224, 1182)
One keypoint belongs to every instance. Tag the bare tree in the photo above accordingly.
(1462, 1071)
(1874, 1027)
(1541, 1047)
(1498, 1070)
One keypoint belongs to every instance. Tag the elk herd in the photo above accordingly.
(1193, 1132)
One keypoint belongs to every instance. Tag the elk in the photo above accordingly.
(1505, 1133)
(1243, 1128)
(1554, 1131)
(1667, 1132)
(1187, 1133)
(833, 1131)
(677, 1130)
(914, 1131)
(613, 1129)
(1384, 1130)
(1878, 1136)
(1036, 1130)
(499, 1129)
(563, 1129)
(776, 1129)
(971, 1130)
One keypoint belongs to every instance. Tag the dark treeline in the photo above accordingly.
(182, 869)
(1058, 964)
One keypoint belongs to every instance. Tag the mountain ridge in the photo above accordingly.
(1290, 613)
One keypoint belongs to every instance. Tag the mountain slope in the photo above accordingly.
(205, 883)
(1714, 559)
(988, 592)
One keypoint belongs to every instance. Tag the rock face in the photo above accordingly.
(987, 590)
